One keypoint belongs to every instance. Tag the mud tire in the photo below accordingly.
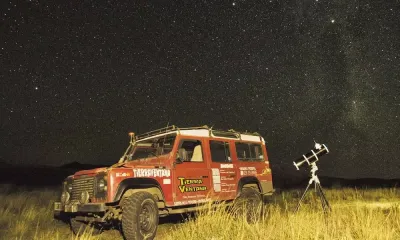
(139, 216)
(78, 228)
(248, 203)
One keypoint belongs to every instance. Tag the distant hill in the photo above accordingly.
(331, 182)
(38, 175)
(48, 176)
(80, 166)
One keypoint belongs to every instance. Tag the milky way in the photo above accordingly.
(76, 77)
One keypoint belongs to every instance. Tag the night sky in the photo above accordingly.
(77, 76)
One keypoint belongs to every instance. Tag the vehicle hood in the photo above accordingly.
(161, 161)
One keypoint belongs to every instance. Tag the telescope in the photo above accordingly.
(311, 159)
(312, 156)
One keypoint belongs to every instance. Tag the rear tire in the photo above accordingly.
(248, 203)
(139, 216)
(78, 228)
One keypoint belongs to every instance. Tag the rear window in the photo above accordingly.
(249, 152)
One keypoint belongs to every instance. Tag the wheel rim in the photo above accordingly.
(147, 218)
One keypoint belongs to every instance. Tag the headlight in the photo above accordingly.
(100, 191)
(102, 185)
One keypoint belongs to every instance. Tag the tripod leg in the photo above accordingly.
(325, 204)
(302, 197)
(326, 200)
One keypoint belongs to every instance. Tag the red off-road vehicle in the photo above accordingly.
(167, 171)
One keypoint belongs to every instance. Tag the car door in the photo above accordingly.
(191, 176)
(222, 169)
(250, 158)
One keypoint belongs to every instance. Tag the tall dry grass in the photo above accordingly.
(28, 214)
(356, 214)
(367, 214)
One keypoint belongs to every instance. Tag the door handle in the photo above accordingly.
(204, 176)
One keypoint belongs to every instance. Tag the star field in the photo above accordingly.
(76, 77)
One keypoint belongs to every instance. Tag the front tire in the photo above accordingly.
(139, 216)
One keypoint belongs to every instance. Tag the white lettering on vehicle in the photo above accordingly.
(123, 174)
(248, 171)
(226, 165)
(154, 172)
(216, 176)
(191, 201)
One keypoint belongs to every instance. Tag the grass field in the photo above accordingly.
(356, 214)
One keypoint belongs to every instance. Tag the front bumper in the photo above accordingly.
(79, 208)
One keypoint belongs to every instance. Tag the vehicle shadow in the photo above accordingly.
(177, 218)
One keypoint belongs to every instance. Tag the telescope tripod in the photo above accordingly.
(318, 190)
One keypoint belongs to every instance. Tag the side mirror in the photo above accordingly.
(182, 156)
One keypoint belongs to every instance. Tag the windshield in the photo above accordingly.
(152, 147)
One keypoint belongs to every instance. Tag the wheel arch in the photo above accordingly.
(132, 185)
(249, 181)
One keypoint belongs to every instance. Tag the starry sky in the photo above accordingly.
(77, 76)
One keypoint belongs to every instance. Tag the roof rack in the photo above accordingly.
(157, 131)
(232, 134)
(215, 132)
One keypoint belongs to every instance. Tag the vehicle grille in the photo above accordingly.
(82, 184)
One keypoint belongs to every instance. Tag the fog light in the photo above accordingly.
(65, 197)
(84, 197)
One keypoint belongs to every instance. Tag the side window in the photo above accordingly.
(242, 151)
(249, 152)
(192, 149)
(220, 151)
(256, 152)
